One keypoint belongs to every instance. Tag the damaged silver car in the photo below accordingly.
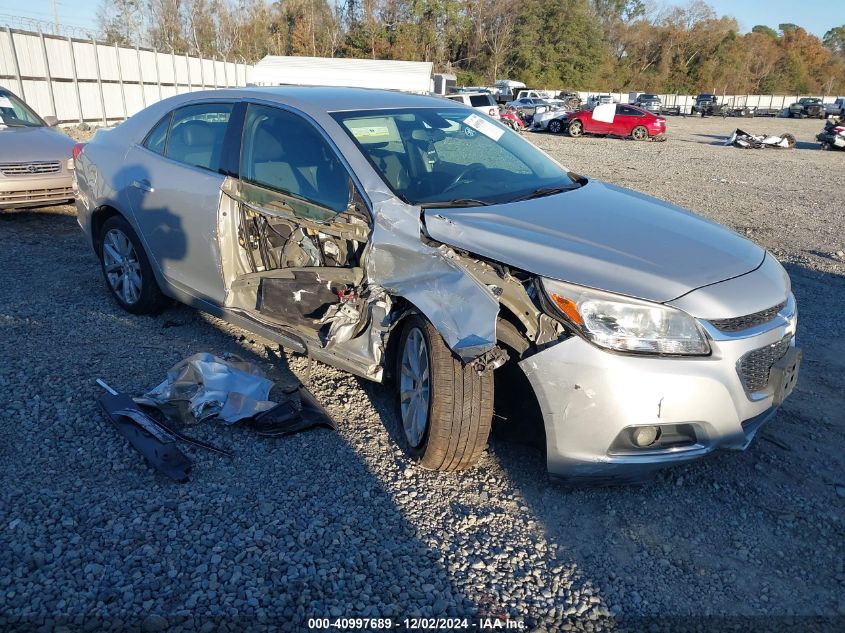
(407, 238)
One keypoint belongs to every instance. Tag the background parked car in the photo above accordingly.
(705, 103)
(481, 101)
(528, 106)
(649, 102)
(837, 108)
(595, 100)
(36, 167)
(625, 120)
(811, 107)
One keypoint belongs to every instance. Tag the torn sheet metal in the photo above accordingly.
(460, 307)
(204, 386)
(745, 140)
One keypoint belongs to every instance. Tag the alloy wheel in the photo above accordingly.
(121, 265)
(639, 133)
(575, 128)
(414, 387)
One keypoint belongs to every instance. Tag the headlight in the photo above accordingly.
(625, 324)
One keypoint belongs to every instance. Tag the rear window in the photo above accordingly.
(480, 101)
(197, 133)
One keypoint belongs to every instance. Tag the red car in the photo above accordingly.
(625, 120)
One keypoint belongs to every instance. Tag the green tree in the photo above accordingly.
(557, 43)
(764, 30)
(834, 39)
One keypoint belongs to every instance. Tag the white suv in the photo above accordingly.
(481, 101)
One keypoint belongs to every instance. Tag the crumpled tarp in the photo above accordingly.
(760, 141)
(204, 386)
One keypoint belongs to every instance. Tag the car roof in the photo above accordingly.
(325, 98)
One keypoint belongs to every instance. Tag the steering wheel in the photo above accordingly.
(472, 167)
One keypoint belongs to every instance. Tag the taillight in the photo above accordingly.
(77, 150)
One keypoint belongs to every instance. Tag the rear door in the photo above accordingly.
(292, 245)
(626, 119)
(173, 189)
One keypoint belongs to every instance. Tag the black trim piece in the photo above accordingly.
(230, 162)
(163, 456)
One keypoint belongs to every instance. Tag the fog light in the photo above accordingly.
(645, 435)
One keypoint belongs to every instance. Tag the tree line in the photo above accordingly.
(614, 45)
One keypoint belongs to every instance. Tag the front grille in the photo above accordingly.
(30, 169)
(37, 195)
(737, 324)
(754, 367)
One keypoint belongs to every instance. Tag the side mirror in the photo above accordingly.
(51, 120)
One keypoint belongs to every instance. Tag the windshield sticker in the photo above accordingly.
(485, 127)
(370, 132)
(5, 103)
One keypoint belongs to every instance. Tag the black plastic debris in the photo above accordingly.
(833, 135)
(285, 418)
(157, 445)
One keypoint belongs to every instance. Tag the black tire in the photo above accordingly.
(149, 300)
(555, 126)
(639, 133)
(575, 129)
(460, 403)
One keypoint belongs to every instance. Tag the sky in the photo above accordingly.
(816, 16)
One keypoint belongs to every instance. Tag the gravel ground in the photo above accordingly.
(343, 524)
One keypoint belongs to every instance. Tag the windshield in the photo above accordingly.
(808, 100)
(15, 113)
(443, 155)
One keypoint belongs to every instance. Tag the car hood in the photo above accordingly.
(604, 237)
(22, 144)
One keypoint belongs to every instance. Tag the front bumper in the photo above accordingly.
(590, 398)
(36, 191)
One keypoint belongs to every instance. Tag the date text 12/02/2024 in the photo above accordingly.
(482, 624)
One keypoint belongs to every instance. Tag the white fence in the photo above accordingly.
(772, 103)
(83, 80)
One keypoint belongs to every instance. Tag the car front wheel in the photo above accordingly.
(445, 406)
(576, 128)
(126, 268)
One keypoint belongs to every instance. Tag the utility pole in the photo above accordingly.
(57, 26)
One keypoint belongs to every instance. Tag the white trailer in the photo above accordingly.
(276, 70)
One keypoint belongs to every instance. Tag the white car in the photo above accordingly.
(481, 101)
(595, 100)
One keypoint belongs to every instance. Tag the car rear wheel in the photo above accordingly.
(445, 406)
(126, 268)
(639, 133)
(555, 126)
(576, 128)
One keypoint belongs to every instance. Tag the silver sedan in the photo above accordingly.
(412, 240)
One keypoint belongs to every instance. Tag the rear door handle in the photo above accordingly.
(143, 185)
